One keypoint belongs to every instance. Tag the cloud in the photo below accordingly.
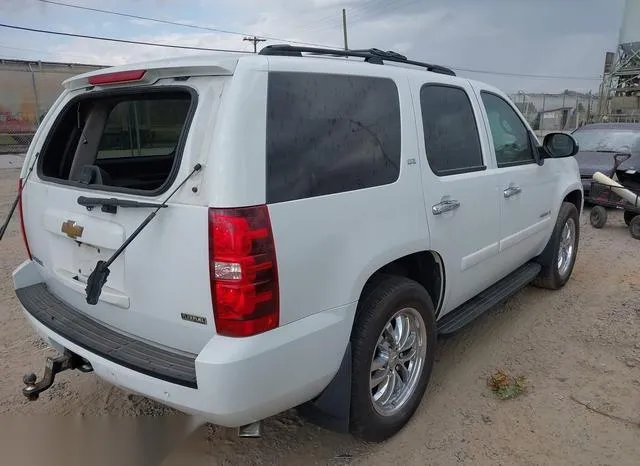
(142, 22)
(548, 37)
(116, 54)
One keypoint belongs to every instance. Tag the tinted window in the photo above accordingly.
(510, 136)
(143, 128)
(330, 133)
(450, 132)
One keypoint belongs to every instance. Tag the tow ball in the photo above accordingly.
(66, 361)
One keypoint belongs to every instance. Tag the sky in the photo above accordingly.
(564, 40)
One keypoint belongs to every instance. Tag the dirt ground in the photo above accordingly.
(579, 349)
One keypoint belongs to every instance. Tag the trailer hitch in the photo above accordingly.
(66, 361)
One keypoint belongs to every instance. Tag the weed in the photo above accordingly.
(505, 386)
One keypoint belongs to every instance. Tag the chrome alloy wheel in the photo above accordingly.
(398, 361)
(567, 247)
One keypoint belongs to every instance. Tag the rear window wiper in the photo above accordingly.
(110, 205)
(98, 277)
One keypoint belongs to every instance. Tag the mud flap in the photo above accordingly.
(332, 407)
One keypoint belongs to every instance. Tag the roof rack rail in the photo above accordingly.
(375, 56)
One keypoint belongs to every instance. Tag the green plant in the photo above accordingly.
(505, 386)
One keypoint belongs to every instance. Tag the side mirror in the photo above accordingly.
(558, 145)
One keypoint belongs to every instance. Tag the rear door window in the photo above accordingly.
(451, 136)
(329, 134)
(127, 141)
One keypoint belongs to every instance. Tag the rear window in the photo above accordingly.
(329, 134)
(129, 141)
(451, 136)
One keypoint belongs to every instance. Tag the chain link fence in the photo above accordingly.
(27, 90)
(557, 112)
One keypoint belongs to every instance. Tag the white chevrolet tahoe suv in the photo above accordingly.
(237, 236)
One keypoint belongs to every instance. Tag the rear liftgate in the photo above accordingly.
(95, 283)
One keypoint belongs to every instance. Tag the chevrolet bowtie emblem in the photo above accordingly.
(72, 230)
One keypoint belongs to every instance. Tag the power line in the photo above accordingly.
(173, 23)
(355, 13)
(368, 10)
(255, 41)
(42, 51)
(208, 49)
(524, 75)
(123, 41)
(374, 10)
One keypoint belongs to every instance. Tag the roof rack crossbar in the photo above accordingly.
(374, 56)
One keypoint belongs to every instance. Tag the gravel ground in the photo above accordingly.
(579, 349)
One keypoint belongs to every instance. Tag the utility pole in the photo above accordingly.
(344, 28)
(255, 41)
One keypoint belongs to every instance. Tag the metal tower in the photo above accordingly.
(620, 89)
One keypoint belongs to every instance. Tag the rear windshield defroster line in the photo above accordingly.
(143, 91)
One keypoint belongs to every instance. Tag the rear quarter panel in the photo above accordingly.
(328, 246)
(235, 148)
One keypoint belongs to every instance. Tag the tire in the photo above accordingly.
(628, 217)
(634, 227)
(555, 273)
(598, 217)
(372, 420)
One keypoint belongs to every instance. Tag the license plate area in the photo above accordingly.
(74, 258)
(82, 260)
(85, 258)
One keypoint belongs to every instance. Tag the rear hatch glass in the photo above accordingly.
(124, 141)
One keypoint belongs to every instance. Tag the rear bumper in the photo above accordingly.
(72, 325)
(231, 382)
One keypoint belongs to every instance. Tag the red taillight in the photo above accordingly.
(21, 215)
(243, 271)
(117, 77)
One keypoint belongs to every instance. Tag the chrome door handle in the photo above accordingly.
(512, 191)
(445, 206)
